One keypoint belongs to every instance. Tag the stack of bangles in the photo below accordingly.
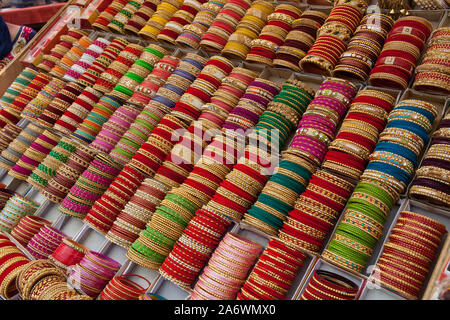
(164, 11)
(67, 174)
(86, 60)
(274, 273)
(7, 134)
(349, 152)
(401, 51)
(115, 127)
(299, 39)
(5, 194)
(159, 95)
(102, 62)
(155, 243)
(364, 47)
(227, 269)
(184, 16)
(248, 29)
(225, 23)
(65, 43)
(333, 36)
(118, 68)
(67, 254)
(12, 262)
(19, 145)
(279, 193)
(55, 109)
(15, 209)
(432, 181)
(71, 57)
(77, 111)
(192, 33)
(326, 285)
(273, 34)
(35, 107)
(141, 16)
(17, 86)
(91, 275)
(141, 68)
(92, 124)
(11, 113)
(90, 186)
(47, 168)
(390, 169)
(433, 73)
(175, 168)
(123, 288)
(409, 253)
(432, 4)
(34, 155)
(118, 22)
(45, 242)
(102, 21)
(26, 229)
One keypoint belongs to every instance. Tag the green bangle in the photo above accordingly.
(154, 51)
(134, 76)
(145, 65)
(123, 90)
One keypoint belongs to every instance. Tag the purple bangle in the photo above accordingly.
(434, 162)
(433, 184)
(255, 98)
(104, 259)
(273, 90)
(245, 113)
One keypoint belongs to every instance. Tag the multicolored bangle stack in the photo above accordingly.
(118, 68)
(11, 113)
(7, 134)
(400, 54)
(333, 36)
(36, 106)
(59, 290)
(326, 285)
(273, 34)
(65, 43)
(164, 11)
(34, 155)
(71, 57)
(66, 176)
(248, 29)
(364, 47)
(102, 62)
(141, 16)
(77, 111)
(408, 255)
(115, 127)
(192, 33)
(225, 23)
(349, 152)
(19, 145)
(274, 273)
(17, 86)
(90, 186)
(67, 254)
(299, 39)
(390, 169)
(102, 21)
(86, 60)
(27, 227)
(141, 68)
(56, 108)
(56, 158)
(179, 163)
(91, 275)
(123, 288)
(148, 88)
(227, 269)
(117, 23)
(92, 124)
(15, 209)
(433, 74)
(184, 16)
(45, 242)
(279, 193)
(12, 263)
(5, 194)
(432, 181)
